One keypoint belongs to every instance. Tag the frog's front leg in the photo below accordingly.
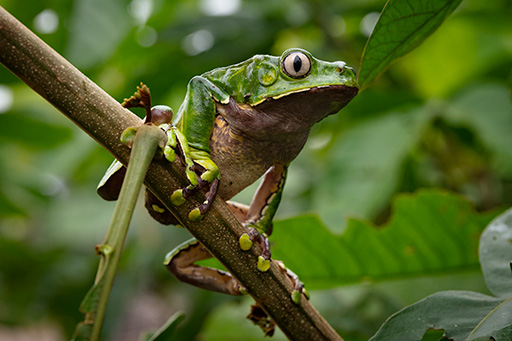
(196, 118)
(180, 262)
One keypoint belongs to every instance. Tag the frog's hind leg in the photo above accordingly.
(239, 210)
(180, 262)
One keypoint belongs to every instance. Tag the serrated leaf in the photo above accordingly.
(429, 232)
(402, 26)
(496, 255)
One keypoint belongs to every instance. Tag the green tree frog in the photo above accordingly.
(238, 123)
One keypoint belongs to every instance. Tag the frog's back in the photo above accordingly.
(237, 79)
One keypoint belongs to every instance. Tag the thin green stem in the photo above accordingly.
(147, 140)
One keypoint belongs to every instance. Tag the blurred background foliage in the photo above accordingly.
(441, 117)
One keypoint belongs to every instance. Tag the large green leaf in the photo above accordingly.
(466, 315)
(402, 26)
(458, 312)
(429, 232)
(496, 255)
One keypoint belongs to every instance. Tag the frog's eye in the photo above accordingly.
(296, 64)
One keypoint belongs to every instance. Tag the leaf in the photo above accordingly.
(457, 312)
(434, 335)
(429, 232)
(496, 255)
(466, 315)
(402, 26)
(457, 61)
(497, 324)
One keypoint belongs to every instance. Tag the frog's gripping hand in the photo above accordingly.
(194, 161)
(195, 121)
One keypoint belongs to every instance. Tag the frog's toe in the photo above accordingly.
(252, 236)
(177, 197)
(245, 242)
(198, 213)
(297, 292)
(263, 264)
(298, 286)
(195, 215)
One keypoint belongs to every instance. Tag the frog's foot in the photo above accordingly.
(298, 286)
(260, 318)
(254, 236)
(180, 262)
(209, 177)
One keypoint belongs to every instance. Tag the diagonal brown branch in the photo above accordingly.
(100, 116)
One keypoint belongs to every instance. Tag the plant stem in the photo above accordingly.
(98, 114)
(146, 142)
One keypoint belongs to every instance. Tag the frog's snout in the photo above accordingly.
(347, 72)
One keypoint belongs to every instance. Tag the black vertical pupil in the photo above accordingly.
(297, 63)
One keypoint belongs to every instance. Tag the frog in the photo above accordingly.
(237, 124)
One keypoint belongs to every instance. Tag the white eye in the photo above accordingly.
(296, 64)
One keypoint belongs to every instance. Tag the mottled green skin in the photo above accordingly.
(250, 77)
(252, 115)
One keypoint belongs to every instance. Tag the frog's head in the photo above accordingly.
(300, 88)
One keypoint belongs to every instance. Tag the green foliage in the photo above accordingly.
(428, 233)
(466, 315)
(439, 118)
(402, 26)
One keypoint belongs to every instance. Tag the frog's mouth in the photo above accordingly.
(316, 102)
(293, 113)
